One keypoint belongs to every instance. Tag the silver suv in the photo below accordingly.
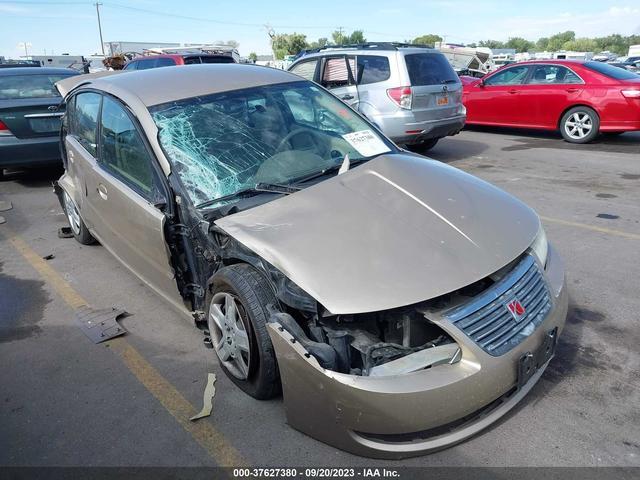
(409, 92)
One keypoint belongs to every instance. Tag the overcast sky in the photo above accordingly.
(71, 26)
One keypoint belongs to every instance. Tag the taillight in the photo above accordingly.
(401, 95)
(631, 93)
(4, 130)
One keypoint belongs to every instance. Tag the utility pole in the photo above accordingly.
(97, 4)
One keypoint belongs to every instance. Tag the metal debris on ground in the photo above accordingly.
(207, 401)
(65, 232)
(5, 205)
(100, 325)
(51, 256)
(2, 220)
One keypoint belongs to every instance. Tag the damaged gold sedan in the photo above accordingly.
(400, 304)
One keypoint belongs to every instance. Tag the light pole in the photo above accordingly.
(97, 4)
(26, 46)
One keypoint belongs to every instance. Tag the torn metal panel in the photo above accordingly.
(429, 357)
(100, 325)
(395, 231)
(207, 400)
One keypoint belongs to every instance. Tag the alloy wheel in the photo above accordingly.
(228, 329)
(72, 214)
(578, 125)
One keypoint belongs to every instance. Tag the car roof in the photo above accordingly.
(552, 61)
(161, 85)
(38, 71)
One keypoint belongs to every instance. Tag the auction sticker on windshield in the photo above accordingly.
(366, 143)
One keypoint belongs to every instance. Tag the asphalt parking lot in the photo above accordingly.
(65, 401)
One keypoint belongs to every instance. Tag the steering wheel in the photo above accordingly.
(300, 131)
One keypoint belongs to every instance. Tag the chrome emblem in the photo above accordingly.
(516, 309)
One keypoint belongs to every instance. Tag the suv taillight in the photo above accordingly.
(631, 93)
(401, 96)
(4, 130)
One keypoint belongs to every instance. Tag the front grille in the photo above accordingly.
(487, 320)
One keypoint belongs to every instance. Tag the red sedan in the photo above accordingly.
(581, 99)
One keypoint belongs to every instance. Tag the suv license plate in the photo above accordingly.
(529, 363)
(443, 101)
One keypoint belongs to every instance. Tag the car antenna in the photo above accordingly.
(345, 164)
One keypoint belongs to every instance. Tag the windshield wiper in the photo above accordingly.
(249, 192)
(331, 169)
(449, 81)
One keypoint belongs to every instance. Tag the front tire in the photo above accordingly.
(237, 320)
(79, 229)
(580, 125)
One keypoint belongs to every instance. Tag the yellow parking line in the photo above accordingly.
(171, 399)
(594, 228)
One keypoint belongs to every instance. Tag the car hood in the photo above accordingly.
(397, 230)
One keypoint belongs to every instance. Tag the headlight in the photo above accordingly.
(540, 246)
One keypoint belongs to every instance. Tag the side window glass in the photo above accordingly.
(510, 76)
(123, 152)
(85, 120)
(371, 69)
(335, 73)
(164, 62)
(569, 77)
(131, 66)
(146, 64)
(306, 69)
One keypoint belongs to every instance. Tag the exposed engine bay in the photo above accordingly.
(373, 344)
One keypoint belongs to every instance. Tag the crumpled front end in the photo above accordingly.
(468, 383)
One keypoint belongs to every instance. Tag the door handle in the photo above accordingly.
(348, 96)
(513, 91)
(102, 190)
(572, 90)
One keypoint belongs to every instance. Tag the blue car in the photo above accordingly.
(30, 117)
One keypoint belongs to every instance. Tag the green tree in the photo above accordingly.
(253, 57)
(341, 38)
(321, 42)
(520, 44)
(429, 39)
(491, 44)
(357, 36)
(542, 43)
(288, 44)
(557, 41)
(581, 45)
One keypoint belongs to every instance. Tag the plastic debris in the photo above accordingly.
(207, 401)
(100, 325)
(65, 232)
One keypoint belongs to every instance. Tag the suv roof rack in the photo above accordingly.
(363, 46)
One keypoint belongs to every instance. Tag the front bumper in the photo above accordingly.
(412, 414)
(27, 152)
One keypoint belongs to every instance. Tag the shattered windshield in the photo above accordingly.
(224, 143)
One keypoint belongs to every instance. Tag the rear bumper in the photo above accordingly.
(27, 152)
(397, 126)
(417, 413)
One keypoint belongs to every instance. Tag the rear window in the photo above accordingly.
(29, 86)
(429, 69)
(611, 71)
(220, 59)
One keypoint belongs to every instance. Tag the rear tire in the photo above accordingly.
(580, 125)
(423, 147)
(79, 229)
(237, 320)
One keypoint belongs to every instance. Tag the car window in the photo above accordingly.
(123, 153)
(217, 59)
(85, 120)
(429, 69)
(131, 66)
(611, 71)
(145, 64)
(509, 76)
(164, 62)
(336, 73)
(306, 69)
(546, 74)
(372, 69)
(29, 86)
(224, 143)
